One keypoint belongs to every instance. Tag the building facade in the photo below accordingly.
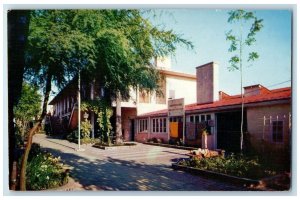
(173, 84)
(266, 124)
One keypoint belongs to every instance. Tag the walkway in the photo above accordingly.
(138, 168)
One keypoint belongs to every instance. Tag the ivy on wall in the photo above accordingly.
(103, 112)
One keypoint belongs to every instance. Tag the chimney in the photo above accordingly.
(207, 83)
(253, 90)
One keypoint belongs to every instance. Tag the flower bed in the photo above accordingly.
(44, 171)
(238, 166)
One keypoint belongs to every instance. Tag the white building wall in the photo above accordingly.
(184, 88)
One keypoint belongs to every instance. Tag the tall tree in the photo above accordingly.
(242, 36)
(113, 46)
(54, 54)
(17, 28)
(125, 42)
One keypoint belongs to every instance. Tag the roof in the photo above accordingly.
(178, 74)
(70, 88)
(273, 95)
(277, 94)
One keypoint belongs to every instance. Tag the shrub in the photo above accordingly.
(86, 128)
(44, 170)
(233, 165)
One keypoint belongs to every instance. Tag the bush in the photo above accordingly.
(233, 165)
(44, 170)
(73, 137)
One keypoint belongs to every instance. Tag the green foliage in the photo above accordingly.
(103, 111)
(44, 170)
(86, 128)
(28, 107)
(59, 52)
(238, 40)
(233, 165)
(125, 43)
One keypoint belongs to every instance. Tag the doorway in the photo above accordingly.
(132, 129)
(229, 130)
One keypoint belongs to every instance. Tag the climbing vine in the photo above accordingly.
(103, 111)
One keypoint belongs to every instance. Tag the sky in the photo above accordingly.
(206, 29)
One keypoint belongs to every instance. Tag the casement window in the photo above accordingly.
(277, 131)
(159, 125)
(143, 125)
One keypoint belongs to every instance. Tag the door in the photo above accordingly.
(132, 129)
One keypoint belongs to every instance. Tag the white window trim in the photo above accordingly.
(160, 121)
(143, 125)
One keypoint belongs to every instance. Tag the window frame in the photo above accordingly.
(159, 125)
(143, 125)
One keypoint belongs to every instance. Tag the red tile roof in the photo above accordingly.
(158, 113)
(273, 95)
(276, 94)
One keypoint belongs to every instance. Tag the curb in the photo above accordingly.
(170, 146)
(113, 147)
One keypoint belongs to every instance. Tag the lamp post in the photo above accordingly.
(79, 112)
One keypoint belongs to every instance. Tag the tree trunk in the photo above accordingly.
(118, 120)
(17, 28)
(31, 134)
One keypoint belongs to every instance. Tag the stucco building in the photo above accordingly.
(267, 118)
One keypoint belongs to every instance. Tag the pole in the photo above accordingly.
(183, 129)
(79, 117)
(79, 112)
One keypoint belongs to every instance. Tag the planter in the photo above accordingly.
(170, 146)
(216, 175)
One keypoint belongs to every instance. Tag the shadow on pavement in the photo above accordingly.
(121, 175)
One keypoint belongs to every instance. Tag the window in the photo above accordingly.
(165, 125)
(197, 119)
(143, 125)
(144, 96)
(202, 118)
(208, 117)
(153, 125)
(191, 118)
(159, 125)
(277, 128)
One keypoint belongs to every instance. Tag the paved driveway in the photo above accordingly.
(138, 168)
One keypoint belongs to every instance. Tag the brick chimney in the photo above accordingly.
(207, 83)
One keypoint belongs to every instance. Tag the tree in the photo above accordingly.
(125, 43)
(29, 107)
(54, 53)
(112, 46)
(17, 28)
(240, 39)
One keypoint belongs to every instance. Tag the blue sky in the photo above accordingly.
(206, 29)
